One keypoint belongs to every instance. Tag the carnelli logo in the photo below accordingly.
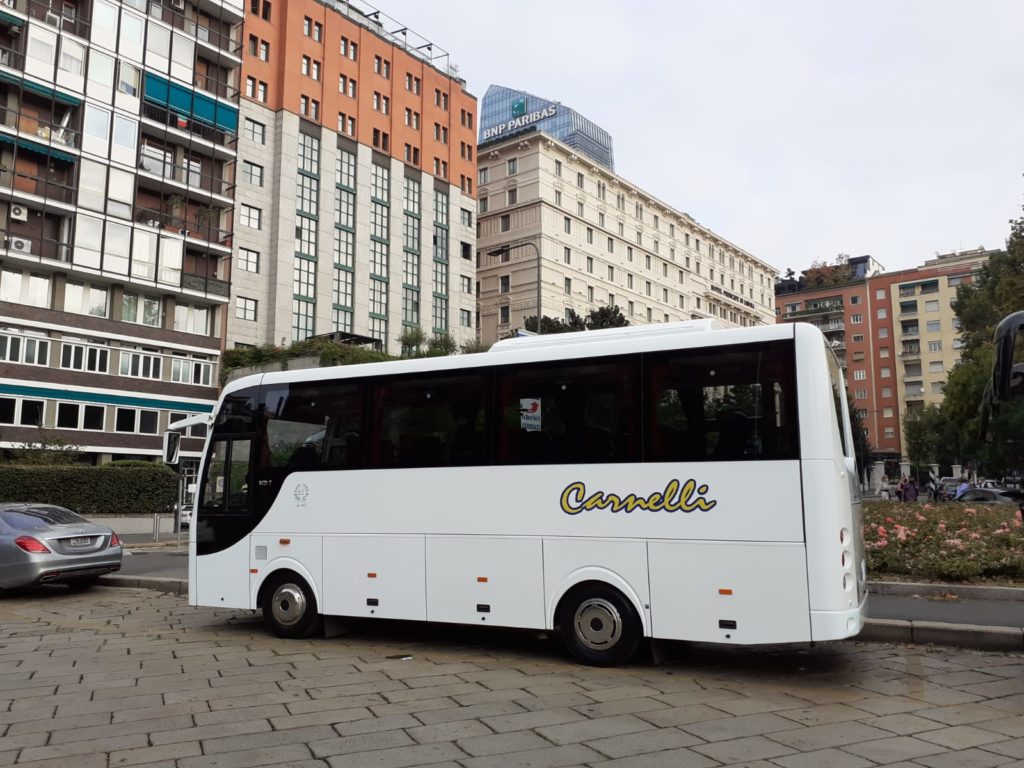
(677, 497)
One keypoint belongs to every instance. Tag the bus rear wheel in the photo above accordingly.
(599, 625)
(289, 607)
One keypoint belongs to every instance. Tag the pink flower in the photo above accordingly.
(970, 511)
(882, 531)
(942, 526)
(889, 520)
(919, 517)
(926, 506)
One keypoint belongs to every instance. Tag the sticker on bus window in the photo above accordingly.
(529, 414)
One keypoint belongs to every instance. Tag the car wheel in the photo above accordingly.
(599, 625)
(82, 584)
(289, 607)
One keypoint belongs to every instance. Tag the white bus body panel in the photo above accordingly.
(512, 593)
(622, 564)
(274, 552)
(223, 581)
(359, 570)
(768, 584)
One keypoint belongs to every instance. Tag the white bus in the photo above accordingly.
(679, 481)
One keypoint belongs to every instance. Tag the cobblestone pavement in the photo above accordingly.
(121, 677)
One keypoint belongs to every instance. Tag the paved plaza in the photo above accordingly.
(123, 677)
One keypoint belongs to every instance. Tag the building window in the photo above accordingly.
(505, 222)
(512, 166)
(568, 286)
(882, 313)
(252, 173)
(860, 375)
(250, 216)
(933, 326)
(512, 196)
(255, 132)
(144, 310)
(885, 373)
(855, 319)
(567, 225)
(504, 283)
(503, 314)
(567, 255)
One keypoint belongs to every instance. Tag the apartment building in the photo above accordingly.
(590, 238)
(895, 334)
(357, 167)
(117, 154)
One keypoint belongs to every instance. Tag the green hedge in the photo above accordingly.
(90, 491)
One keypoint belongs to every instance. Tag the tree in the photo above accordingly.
(43, 451)
(606, 317)
(822, 274)
(552, 325)
(474, 347)
(441, 345)
(412, 339)
(924, 429)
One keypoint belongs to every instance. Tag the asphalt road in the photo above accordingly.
(994, 613)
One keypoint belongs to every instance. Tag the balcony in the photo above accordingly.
(212, 32)
(832, 327)
(910, 354)
(194, 222)
(832, 309)
(54, 133)
(64, 16)
(188, 128)
(35, 181)
(28, 243)
(187, 177)
(209, 285)
(911, 332)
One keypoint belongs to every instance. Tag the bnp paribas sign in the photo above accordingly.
(520, 118)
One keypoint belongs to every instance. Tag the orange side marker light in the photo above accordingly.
(481, 579)
(371, 575)
(725, 591)
(284, 541)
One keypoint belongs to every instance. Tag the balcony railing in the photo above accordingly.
(65, 18)
(191, 224)
(207, 34)
(208, 285)
(908, 312)
(171, 118)
(30, 244)
(40, 186)
(909, 354)
(38, 126)
(216, 87)
(908, 333)
(12, 58)
(826, 310)
(185, 175)
(829, 327)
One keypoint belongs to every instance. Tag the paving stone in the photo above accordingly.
(961, 737)
(745, 749)
(548, 757)
(364, 742)
(619, 707)
(457, 729)
(204, 732)
(1009, 726)
(968, 758)
(399, 757)
(724, 729)
(894, 749)
(643, 742)
(823, 758)
(832, 735)
(695, 713)
(63, 735)
(75, 748)
(150, 755)
(1011, 748)
(502, 743)
(824, 714)
(492, 709)
(586, 730)
(288, 753)
(536, 719)
(902, 725)
(961, 714)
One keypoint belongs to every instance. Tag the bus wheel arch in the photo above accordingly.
(289, 604)
(599, 623)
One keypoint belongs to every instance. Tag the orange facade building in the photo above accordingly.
(388, 122)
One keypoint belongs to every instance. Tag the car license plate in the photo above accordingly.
(81, 541)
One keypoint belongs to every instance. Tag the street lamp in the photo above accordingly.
(505, 250)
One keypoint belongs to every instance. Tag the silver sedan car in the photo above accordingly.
(46, 544)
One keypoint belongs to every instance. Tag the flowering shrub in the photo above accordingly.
(946, 541)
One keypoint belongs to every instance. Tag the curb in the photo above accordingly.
(966, 591)
(973, 636)
(982, 638)
(158, 583)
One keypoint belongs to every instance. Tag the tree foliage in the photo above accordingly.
(43, 451)
(822, 273)
(91, 491)
(861, 444)
(602, 317)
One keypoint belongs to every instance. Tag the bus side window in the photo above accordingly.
(313, 426)
(434, 420)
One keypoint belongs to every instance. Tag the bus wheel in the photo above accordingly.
(289, 607)
(599, 625)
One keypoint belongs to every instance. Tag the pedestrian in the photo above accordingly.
(901, 488)
(910, 491)
(962, 488)
(883, 489)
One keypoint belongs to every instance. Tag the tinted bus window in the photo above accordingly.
(724, 404)
(237, 414)
(313, 426)
(436, 420)
(568, 413)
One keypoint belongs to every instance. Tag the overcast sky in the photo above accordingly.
(796, 129)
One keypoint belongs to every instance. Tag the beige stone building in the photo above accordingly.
(927, 326)
(601, 241)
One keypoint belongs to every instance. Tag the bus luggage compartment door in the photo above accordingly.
(377, 577)
(482, 580)
(729, 592)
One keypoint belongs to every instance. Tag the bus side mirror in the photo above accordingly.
(172, 447)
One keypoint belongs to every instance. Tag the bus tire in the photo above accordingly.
(289, 606)
(599, 625)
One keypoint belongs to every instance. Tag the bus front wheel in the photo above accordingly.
(599, 625)
(289, 607)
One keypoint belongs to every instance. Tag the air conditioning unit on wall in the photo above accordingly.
(18, 213)
(19, 244)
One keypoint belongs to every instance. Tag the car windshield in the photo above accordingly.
(38, 518)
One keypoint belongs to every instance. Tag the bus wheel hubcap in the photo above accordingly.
(288, 605)
(598, 624)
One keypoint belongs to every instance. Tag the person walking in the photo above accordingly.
(910, 491)
(962, 488)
